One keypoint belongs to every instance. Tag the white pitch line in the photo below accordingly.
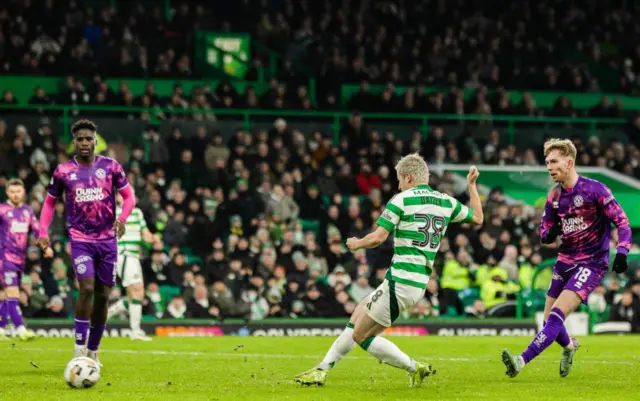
(289, 356)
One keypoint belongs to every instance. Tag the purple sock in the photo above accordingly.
(82, 328)
(563, 337)
(546, 336)
(95, 335)
(12, 306)
(4, 316)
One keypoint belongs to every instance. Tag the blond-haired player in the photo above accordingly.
(579, 210)
(418, 216)
(17, 221)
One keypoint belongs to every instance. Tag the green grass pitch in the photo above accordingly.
(261, 368)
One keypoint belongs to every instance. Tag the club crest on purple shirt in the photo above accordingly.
(578, 201)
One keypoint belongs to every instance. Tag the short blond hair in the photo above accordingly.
(15, 182)
(564, 146)
(415, 165)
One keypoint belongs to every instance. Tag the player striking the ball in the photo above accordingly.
(581, 211)
(130, 271)
(89, 183)
(17, 220)
(419, 217)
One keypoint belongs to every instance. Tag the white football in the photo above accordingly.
(82, 372)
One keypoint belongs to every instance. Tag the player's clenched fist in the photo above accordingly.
(472, 177)
(43, 242)
(352, 244)
(119, 227)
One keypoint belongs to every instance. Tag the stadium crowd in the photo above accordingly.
(254, 227)
(560, 45)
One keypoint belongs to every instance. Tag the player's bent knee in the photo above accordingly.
(86, 289)
(568, 301)
(365, 343)
(136, 291)
(357, 337)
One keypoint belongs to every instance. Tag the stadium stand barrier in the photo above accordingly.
(543, 99)
(527, 130)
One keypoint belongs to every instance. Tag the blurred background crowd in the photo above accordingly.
(253, 224)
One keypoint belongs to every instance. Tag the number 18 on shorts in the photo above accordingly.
(581, 279)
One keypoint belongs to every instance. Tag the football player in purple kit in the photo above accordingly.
(17, 220)
(90, 183)
(579, 210)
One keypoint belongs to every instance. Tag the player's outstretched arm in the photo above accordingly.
(387, 222)
(474, 197)
(371, 240)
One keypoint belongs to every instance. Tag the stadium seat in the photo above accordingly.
(168, 291)
(194, 259)
(311, 225)
(469, 295)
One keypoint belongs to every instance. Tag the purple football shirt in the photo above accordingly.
(586, 212)
(15, 225)
(90, 197)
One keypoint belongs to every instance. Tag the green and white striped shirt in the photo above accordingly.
(130, 242)
(419, 218)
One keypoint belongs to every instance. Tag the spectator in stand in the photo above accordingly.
(627, 310)
(254, 227)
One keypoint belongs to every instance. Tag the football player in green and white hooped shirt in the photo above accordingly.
(129, 269)
(418, 216)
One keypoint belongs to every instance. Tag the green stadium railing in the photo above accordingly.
(420, 122)
(543, 99)
(24, 86)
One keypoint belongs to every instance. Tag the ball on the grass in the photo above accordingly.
(82, 372)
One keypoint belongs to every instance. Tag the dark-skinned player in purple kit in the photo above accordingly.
(581, 211)
(89, 183)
